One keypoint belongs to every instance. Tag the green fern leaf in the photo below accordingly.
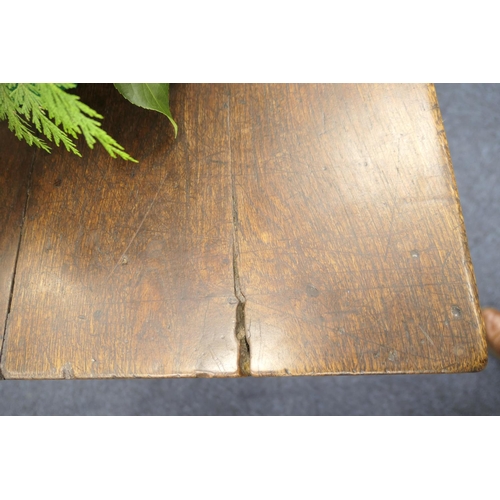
(76, 117)
(28, 101)
(39, 103)
(9, 112)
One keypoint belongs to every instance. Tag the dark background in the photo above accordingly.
(471, 115)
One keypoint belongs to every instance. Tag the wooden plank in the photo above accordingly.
(126, 270)
(289, 229)
(352, 254)
(16, 159)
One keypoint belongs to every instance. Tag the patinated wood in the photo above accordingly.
(289, 229)
(15, 166)
(126, 270)
(352, 250)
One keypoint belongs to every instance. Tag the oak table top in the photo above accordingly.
(287, 230)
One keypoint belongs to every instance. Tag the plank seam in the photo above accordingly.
(21, 233)
(240, 324)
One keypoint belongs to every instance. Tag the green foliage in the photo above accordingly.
(56, 113)
(153, 96)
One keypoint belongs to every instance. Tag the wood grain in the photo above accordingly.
(352, 249)
(126, 270)
(15, 166)
(288, 230)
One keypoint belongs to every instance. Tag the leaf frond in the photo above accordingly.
(55, 113)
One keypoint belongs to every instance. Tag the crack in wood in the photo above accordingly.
(21, 232)
(240, 326)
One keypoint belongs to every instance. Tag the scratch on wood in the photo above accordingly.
(426, 335)
(120, 260)
(218, 362)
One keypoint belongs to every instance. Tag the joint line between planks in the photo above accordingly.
(240, 327)
(18, 250)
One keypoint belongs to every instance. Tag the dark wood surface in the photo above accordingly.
(353, 255)
(15, 165)
(288, 230)
(126, 270)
